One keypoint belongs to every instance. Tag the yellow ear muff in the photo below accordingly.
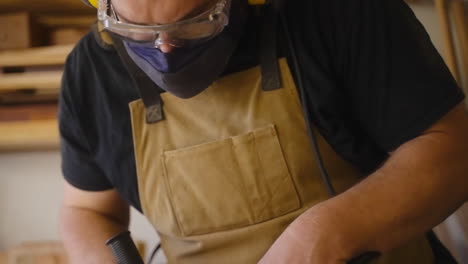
(93, 3)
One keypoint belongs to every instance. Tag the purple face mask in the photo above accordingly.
(166, 62)
(186, 72)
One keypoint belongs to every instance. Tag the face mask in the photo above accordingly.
(171, 62)
(186, 72)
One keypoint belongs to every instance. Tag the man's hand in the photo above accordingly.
(420, 185)
(308, 240)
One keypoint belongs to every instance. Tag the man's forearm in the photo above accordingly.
(420, 185)
(84, 233)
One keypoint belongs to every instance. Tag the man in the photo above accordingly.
(193, 113)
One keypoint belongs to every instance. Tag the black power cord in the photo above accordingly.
(153, 253)
(124, 249)
(300, 85)
(368, 256)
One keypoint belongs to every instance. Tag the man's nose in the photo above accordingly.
(164, 40)
(166, 48)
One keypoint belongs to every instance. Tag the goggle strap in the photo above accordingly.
(102, 35)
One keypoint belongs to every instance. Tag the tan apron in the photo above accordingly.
(228, 170)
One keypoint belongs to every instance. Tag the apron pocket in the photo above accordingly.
(230, 183)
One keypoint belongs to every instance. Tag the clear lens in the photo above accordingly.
(200, 30)
(135, 35)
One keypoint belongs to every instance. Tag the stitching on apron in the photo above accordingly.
(293, 180)
(170, 194)
(257, 156)
(244, 197)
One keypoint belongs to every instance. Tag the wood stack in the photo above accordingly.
(30, 76)
(65, 30)
(454, 29)
(36, 253)
(43, 252)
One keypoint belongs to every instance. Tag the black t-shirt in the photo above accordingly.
(372, 79)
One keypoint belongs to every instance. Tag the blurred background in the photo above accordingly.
(35, 38)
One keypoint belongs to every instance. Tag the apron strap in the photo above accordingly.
(150, 93)
(271, 77)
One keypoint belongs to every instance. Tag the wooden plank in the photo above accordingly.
(3, 257)
(18, 31)
(461, 27)
(66, 36)
(67, 21)
(28, 112)
(30, 80)
(29, 135)
(45, 252)
(28, 97)
(46, 6)
(53, 55)
(450, 59)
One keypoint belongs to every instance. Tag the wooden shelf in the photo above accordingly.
(42, 56)
(46, 6)
(29, 135)
(67, 21)
(31, 80)
(36, 134)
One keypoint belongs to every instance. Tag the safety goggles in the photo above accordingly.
(186, 32)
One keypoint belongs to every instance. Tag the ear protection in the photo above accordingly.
(91, 3)
(94, 3)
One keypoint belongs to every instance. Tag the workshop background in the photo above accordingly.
(35, 37)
